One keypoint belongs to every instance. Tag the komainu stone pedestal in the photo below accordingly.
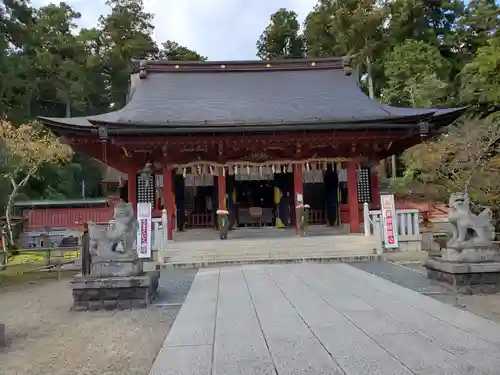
(117, 279)
(120, 266)
(471, 260)
(467, 277)
(474, 255)
(119, 292)
(3, 339)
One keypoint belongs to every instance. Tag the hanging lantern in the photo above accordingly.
(146, 173)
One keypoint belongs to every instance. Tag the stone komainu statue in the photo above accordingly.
(118, 237)
(469, 230)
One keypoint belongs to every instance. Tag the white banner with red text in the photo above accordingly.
(144, 232)
(389, 221)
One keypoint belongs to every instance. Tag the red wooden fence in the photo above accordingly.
(69, 218)
(40, 218)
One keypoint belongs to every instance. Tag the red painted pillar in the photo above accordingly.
(169, 200)
(298, 193)
(132, 188)
(375, 187)
(352, 192)
(221, 191)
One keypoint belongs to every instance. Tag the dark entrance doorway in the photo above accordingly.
(255, 202)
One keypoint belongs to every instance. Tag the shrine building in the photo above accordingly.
(255, 138)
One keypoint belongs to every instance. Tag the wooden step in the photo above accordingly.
(333, 247)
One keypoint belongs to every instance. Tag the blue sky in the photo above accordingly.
(218, 29)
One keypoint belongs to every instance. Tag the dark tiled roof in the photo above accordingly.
(247, 97)
(249, 94)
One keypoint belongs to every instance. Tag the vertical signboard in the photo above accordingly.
(389, 221)
(144, 232)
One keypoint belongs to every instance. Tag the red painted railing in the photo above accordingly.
(68, 218)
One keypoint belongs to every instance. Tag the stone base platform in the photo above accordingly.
(472, 255)
(3, 340)
(109, 293)
(468, 277)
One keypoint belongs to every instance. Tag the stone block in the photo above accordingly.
(3, 340)
(467, 277)
(118, 267)
(478, 254)
(91, 293)
(183, 360)
(303, 356)
(91, 282)
(423, 356)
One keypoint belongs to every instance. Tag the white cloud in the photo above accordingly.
(219, 29)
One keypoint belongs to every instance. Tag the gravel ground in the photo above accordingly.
(45, 338)
(413, 276)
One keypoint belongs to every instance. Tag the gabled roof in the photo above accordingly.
(179, 97)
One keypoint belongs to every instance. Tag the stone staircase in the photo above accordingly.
(211, 251)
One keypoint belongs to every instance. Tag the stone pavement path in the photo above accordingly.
(313, 319)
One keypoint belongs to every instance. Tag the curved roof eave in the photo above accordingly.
(275, 123)
(445, 117)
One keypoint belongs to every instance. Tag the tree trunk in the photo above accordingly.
(68, 108)
(393, 167)
(3, 257)
(10, 203)
(371, 88)
(8, 210)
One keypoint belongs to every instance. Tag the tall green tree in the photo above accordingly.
(348, 27)
(58, 60)
(480, 22)
(281, 39)
(17, 84)
(480, 79)
(432, 22)
(49, 68)
(126, 34)
(416, 75)
(173, 51)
